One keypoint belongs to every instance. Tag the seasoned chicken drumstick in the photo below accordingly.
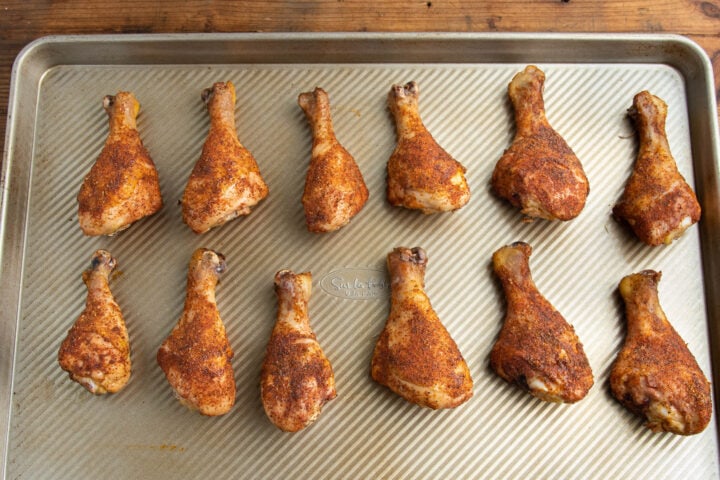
(415, 356)
(296, 378)
(225, 181)
(196, 355)
(537, 348)
(122, 185)
(538, 173)
(96, 351)
(657, 202)
(420, 174)
(655, 376)
(334, 187)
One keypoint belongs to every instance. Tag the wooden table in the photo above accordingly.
(22, 21)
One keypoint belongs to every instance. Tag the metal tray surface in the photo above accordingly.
(55, 429)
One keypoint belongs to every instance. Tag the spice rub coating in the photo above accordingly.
(335, 190)
(538, 173)
(537, 349)
(421, 175)
(96, 351)
(657, 203)
(655, 375)
(122, 186)
(225, 181)
(196, 355)
(296, 379)
(415, 356)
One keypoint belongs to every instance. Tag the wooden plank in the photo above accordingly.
(696, 17)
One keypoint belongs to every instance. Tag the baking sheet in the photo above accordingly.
(58, 430)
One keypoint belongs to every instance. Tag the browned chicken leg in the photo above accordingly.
(296, 378)
(196, 356)
(415, 356)
(225, 181)
(538, 173)
(420, 174)
(655, 375)
(537, 348)
(334, 187)
(657, 203)
(122, 186)
(96, 351)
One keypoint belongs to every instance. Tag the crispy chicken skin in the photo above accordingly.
(226, 180)
(655, 376)
(538, 173)
(657, 202)
(421, 175)
(537, 348)
(122, 185)
(96, 351)
(296, 378)
(334, 187)
(196, 356)
(415, 356)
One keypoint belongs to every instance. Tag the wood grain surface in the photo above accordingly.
(22, 21)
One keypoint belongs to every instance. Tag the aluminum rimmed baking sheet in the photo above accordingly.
(57, 128)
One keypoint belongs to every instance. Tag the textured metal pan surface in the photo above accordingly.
(58, 430)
